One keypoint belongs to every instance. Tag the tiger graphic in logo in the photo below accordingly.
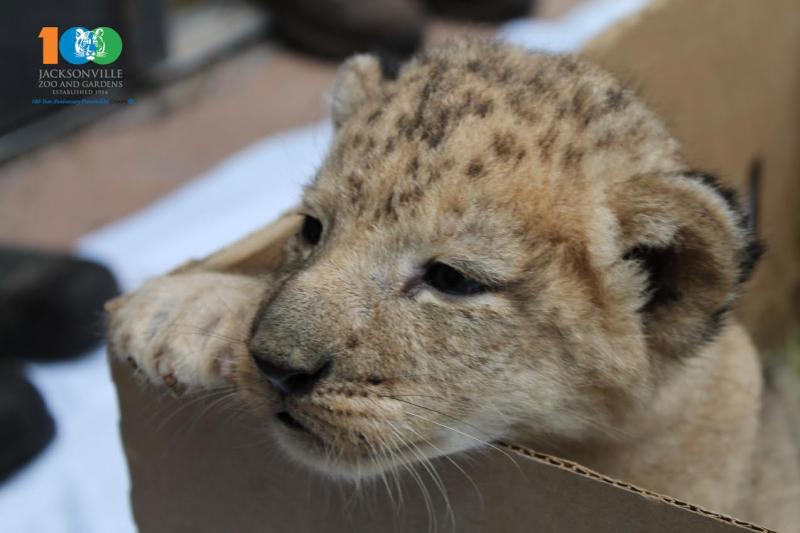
(85, 44)
(79, 45)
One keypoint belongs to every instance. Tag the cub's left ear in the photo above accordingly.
(693, 243)
(358, 81)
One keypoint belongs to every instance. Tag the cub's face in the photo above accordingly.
(474, 265)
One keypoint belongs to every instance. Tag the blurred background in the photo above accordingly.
(219, 119)
(208, 78)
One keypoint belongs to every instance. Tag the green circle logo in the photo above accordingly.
(108, 45)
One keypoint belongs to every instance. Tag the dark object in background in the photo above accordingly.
(51, 304)
(481, 10)
(26, 426)
(335, 29)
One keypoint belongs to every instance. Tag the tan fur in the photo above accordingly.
(540, 177)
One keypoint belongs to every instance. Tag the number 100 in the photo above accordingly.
(49, 37)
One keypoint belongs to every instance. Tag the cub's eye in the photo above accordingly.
(450, 281)
(312, 230)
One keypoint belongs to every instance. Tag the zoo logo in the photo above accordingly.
(78, 45)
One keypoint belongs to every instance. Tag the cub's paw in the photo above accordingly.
(185, 330)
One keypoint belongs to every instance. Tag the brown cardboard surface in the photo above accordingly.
(194, 468)
(724, 82)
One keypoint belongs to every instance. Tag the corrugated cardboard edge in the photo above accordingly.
(257, 252)
(575, 468)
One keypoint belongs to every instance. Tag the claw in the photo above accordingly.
(115, 303)
(173, 386)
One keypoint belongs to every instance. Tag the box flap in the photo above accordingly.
(201, 464)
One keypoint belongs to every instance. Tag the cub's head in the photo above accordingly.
(501, 245)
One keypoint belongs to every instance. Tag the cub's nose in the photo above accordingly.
(290, 380)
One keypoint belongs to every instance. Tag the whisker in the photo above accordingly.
(409, 467)
(451, 417)
(486, 443)
(431, 469)
(453, 462)
(198, 396)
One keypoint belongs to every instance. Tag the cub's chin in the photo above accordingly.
(343, 457)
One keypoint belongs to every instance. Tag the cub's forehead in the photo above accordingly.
(486, 124)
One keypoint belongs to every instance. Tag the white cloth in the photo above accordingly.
(80, 483)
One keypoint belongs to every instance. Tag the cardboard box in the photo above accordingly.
(724, 74)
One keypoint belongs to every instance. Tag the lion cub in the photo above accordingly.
(500, 246)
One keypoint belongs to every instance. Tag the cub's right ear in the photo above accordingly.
(358, 81)
(691, 240)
